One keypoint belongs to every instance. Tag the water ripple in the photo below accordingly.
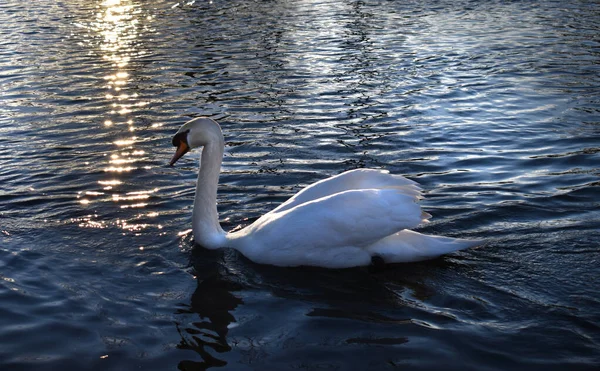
(492, 106)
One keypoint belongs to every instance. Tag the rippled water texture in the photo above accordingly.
(493, 106)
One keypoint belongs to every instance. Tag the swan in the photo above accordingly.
(351, 219)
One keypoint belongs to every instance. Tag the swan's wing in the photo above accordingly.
(350, 180)
(350, 219)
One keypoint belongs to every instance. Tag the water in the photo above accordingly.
(492, 106)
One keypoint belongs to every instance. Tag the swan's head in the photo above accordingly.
(195, 133)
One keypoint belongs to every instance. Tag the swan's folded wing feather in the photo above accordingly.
(351, 180)
(350, 218)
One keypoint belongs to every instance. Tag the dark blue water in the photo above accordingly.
(493, 106)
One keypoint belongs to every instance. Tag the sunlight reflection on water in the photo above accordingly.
(119, 24)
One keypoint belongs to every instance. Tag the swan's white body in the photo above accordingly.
(338, 222)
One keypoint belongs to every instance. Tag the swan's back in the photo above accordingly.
(341, 225)
(352, 180)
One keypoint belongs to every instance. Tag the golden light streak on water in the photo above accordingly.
(115, 29)
(125, 142)
(110, 182)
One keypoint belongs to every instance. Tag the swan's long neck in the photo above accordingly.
(205, 219)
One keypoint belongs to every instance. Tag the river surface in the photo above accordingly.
(493, 106)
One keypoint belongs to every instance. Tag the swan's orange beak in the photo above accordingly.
(182, 149)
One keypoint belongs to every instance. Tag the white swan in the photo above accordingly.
(338, 222)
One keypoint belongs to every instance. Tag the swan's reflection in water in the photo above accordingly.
(374, 311)
(213, 300)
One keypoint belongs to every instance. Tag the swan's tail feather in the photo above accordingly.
(409, 246)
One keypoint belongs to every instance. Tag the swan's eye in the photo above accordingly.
(180, 137)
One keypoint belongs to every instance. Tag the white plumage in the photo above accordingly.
(339, 222)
